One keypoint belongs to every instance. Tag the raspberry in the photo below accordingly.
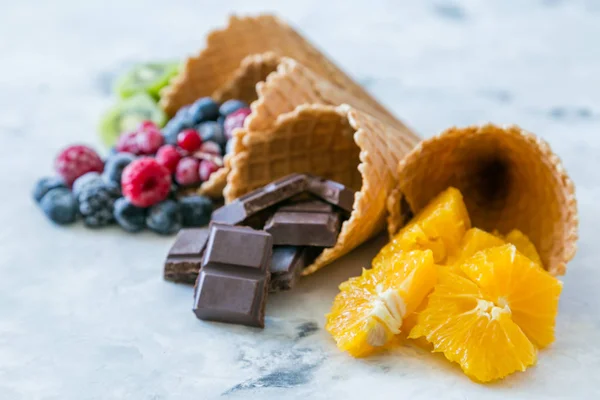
(235, 120)
(145, 140)
(75, 161)
(186, 172)
(145, 182)
(189, 140)
(168, 157)
(149, 141)
(206, 169)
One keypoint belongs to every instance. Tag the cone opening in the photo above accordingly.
(509, 180)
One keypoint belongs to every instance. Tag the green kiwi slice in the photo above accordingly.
(126, 116)
(147, 77)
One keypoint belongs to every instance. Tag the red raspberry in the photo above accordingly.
(127, 143)
(168, 156)
(186, 172)
(148, 138)
(211, 148)
(235, 120)
(75, 161)
(189, 140)
(206, 169)
(145, 182)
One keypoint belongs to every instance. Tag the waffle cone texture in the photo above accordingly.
(510, 179)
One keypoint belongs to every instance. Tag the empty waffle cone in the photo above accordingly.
(510, 179)
(298, 125)
(242, 55)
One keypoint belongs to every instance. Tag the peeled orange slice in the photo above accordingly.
(474, 240)
(524, 245)
(439, 227)
(370, 309)
(489, 319)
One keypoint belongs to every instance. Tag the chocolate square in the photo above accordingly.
(185, 256)
(304, 228)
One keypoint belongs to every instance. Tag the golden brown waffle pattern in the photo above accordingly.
(509, 179)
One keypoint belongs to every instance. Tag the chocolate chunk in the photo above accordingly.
(332, 192)
(286, 265)
(304, 228)
(260, 199)
(233, 281)
(185, 256)
(307, 206)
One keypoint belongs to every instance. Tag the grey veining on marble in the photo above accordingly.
(86, 315)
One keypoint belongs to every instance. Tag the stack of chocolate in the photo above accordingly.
(257, 244)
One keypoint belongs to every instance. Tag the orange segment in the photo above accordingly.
(475, 240)
(438, 227)
(370, 309)
(524, 245)
(509, 279)
(465, 325)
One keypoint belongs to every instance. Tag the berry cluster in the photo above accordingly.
(138, 185)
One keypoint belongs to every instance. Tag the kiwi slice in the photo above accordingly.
(126, 116)
(148, 78)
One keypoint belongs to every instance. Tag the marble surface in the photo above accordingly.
(86, 315)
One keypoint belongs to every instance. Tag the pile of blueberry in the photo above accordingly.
(141, 182)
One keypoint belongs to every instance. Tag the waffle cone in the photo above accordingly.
(509, 179)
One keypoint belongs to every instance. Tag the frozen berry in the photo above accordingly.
(115, 164)
(204, 109)
(148, 138)
(195, 210)
(128, 216)
(85, 180)
(207, 168)
(96, 204)
(44, 185)
(235, 120)
(231, 106)
(174, 126)
(189, 140)
(75, 161)
(212, 131)
(164, 218)
(168, 157)
(145, 182)
(211, 148)
(60, 206)
(186, 172)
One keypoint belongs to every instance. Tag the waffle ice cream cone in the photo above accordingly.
(238, 59)
(509, 179)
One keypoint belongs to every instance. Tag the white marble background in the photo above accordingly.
(86, 315)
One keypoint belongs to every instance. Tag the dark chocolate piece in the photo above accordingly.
(307, 206)
(332, 192)
(185, 256)
(260, 199)
(233, 281)
(286, 265)
(304, 228)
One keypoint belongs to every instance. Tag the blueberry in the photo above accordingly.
(44, 185)
(195, 210)
(182, 120)
(96, 203)
(164, 218)
(60, 206)
(204, 109)
(113, 169)
(128, 216)
(221, 121)
(230, 106)
(86, 180)
(212, 131)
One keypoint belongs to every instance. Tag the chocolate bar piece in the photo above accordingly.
(304, 228)
(332, 192)
(260, 199)
(185, 256)
(287, 263)
(307, 206)
(233, 281)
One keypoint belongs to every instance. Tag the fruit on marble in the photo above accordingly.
(231, 106)
(168, 157)
(145, 182)
(127, 115)
(164, 218)
(370, 309)
(439, 227)
(44, 185)
(195, 210)
(524, 245)
(235, 120)
(206, 169)
(146, 78)
(203, 109)
(212, 131)
(114, 166)
(189, 140)
(186, 172)
(129, 217)
(473, 241)
(491, 317)
(96, 203)
(75, 161)
(146, 139)
(86, 180)
(59, 205)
